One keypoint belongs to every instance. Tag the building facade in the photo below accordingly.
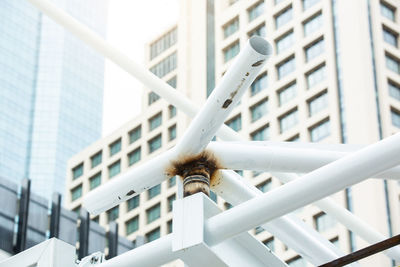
(51, 92)
(334, 78)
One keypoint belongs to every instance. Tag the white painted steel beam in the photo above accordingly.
(318, 184)
(264, 157)
(290, 230)
(348, 219)
(225, 96)
(129, 184)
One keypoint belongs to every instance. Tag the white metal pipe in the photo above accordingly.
(290, 230)
(349, 220)
(129, 184)
(225, 96)
(155, 253)
(318, 184)
(279, 159)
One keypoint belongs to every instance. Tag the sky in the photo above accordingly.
(131, 23)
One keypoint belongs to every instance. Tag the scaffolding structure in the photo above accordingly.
(202, 234)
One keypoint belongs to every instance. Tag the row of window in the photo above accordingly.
(310, 25)
(317, 132)
(162, 44)
(166, 65)
(134, 135)
(315, 105)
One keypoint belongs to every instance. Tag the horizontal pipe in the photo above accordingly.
(290, 230)
(288, 158)
(318, 184)
(348, 219)
(225, 96)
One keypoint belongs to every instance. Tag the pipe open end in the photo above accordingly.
(260, 45)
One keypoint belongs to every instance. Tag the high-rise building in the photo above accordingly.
(334, 78)
(51, 91)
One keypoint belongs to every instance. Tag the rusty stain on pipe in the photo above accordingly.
(197, 172)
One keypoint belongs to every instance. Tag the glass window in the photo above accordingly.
(320, 131)
(115, 147)
(165, 66)
(96, 159)
(316, 76)
(259, 110)
(394, 90)
(231, 51)
(270, 243)
(152, 97)
(133, 203)
(286, 67)
(258, 31)
(324, 222)
(169, 226)
(393, 64)
(153, 213)
(153, 235)
(95, 181)
(114, 169)
(261, 134)
(390, 37)
(77, 171)
(162, 44)
(288, 121)
(135, 134)
(77, 210)
(265, 186)
(155, 143)
(172, 111)
(172, 181)
(231, 27)
(113, 214)
(256, 10)
(388, 11)
(309, 3)
(227, 206)
(297, 262)
(172, 132)
(258, 230)
(313, 24)
(284, 17)
(170, 200)
(155, 121)
(132, 225)
(395, 118)
(154, 191)
(134, 156)
(76, 192)
(235, 123)
(259, 84)
(315, 49)
(284, 42)
(287, 93)
(172, 82)
(318, 103)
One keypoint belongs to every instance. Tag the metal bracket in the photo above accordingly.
(189, 215)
